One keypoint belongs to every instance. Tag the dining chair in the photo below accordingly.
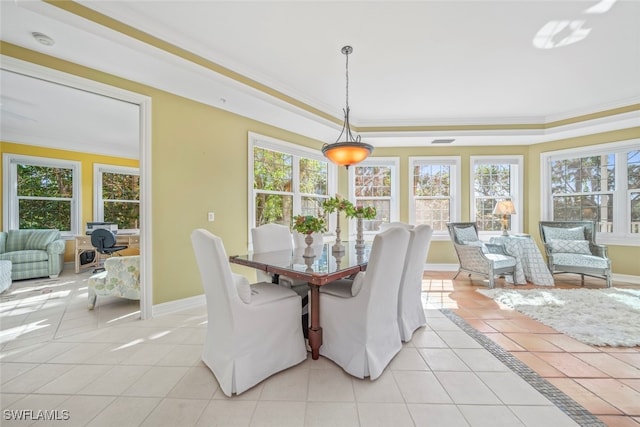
(253, 331)
(477, 257)
(360, 327)
(571, 247)
(410, 310)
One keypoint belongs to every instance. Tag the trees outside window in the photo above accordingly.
(41, 193)
(286, 180)
(117, 196)
(494, 179)
(434, 188)
(597, 183)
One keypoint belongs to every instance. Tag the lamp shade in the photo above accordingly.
(504, 207)
(347, 153)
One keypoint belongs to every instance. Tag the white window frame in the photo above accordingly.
(10, 189)
(621, 214)
(516, 184)
(455, 189)
(273, 144)
(98, 201)
(393, 163)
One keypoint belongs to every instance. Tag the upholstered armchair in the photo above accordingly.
(571, 247)
(477, 257)
(120, 278)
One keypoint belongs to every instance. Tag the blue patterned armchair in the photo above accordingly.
(121, 278)
(571, 247)
(477, 257)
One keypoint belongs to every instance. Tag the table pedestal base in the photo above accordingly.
(315, 331)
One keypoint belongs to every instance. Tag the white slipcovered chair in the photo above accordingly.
(410, 310)
(253, 331)
(360, 322)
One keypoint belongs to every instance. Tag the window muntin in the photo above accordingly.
(117, 196)
(374, 182)
(286, 180)
(41, 193)
(596, 183)
(493, 179)
(433, 188)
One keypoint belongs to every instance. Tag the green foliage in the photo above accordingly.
(307, 224)
(366, 212)
(334, 204)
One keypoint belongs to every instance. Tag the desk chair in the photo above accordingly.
(105, 243)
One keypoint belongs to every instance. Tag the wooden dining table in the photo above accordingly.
(325, 267)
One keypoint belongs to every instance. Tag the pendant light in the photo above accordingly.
(350, 150)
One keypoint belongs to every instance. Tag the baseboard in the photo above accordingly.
(441, 267)
(626, 278)
(178, 305)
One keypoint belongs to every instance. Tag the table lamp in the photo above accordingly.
(506, 209)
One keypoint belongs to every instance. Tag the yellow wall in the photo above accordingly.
(87, 161)
(199, 164)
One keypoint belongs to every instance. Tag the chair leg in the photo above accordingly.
(454, 277)
(582, 275)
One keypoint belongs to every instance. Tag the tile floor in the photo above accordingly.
(112, 369)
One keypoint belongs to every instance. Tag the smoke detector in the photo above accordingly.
(43, 39)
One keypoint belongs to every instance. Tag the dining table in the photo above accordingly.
(326, 266)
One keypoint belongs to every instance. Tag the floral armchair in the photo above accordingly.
(477, 257)
(121, 278)
(571, 247)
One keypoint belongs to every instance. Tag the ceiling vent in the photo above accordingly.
(442, 141)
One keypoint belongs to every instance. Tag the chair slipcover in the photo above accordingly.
(410, 309)
(477, 257)
(245, 342)
(571, 247)
(121, 278)
(360, 333)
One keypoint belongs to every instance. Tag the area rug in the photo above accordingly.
(602, 317)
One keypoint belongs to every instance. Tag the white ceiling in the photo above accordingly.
(420, 63)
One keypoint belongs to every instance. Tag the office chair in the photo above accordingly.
(105, 243)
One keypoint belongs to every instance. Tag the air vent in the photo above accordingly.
(442, 141)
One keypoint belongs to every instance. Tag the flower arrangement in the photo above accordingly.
(365, 212)
(307, 224)
(337, 203)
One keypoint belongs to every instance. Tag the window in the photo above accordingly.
(434, 188)
(117, 196)
(597, 183)
(286, 180)
(374, 182)
(41, 193)
(493, 179)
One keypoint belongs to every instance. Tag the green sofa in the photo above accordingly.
(33, 253)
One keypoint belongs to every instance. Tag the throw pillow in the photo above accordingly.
(39, 239)
(357, 283)
(466, 234)
(243, 287)
(477, 243)
(576, 233)
(570, 246)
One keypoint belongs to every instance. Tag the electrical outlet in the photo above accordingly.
(211, 217)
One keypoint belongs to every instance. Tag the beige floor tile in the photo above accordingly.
(83, 409)
(382, 390)
(542, 416)
(291, 384)
(25, 411)
(227, 413)
(35, 378)
(322, 414)
(384, 415)
(442, 359)
(156, 382)
(511, 389)
(9, 371)
(420, 387)
(480, 360)
(427, 338)
(74, 379)
(175, 412)
(278, 414)
(197, 383)
(489, 416)
(182, 355)
(331, 385)
(125, 411)
(408, 359)
(7, 399)
(436, 415)
(465, 388)
(458, 339)
(115, 381)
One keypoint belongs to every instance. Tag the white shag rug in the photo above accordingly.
(602, 317)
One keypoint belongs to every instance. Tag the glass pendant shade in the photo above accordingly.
(349, 151)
